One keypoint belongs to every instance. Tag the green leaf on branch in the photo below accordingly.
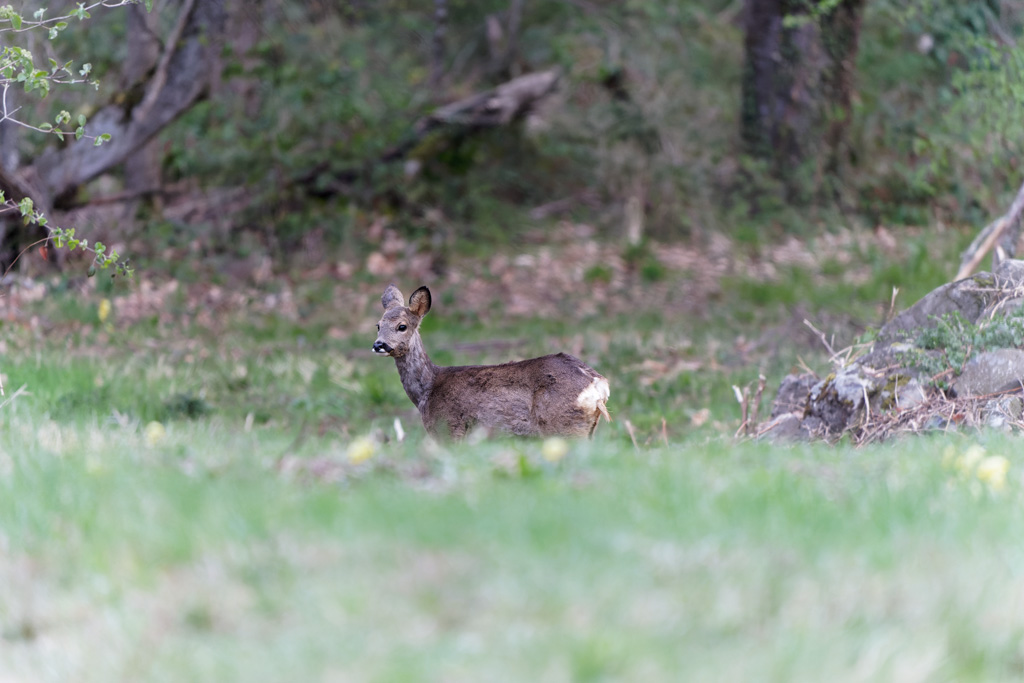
(57, 28)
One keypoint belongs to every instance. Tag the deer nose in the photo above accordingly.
(381, 347)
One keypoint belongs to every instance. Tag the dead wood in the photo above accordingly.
(1005, 230)
(500, 106)
(497, 107)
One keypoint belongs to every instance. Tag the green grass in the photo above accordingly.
(205, 557)
(244, 544)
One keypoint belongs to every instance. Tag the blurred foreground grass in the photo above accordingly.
(241, 540)
(212, 553)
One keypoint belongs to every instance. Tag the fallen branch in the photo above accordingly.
(499, 106)
(987, 238)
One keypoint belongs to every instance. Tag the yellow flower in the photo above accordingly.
(361, 450)
(104, 311)
(154, 433)
(972, 456)
(554, 449)
(992, 470)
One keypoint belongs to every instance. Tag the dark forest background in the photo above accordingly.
(312, 124)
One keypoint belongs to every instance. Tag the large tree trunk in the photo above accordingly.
(159, 88)
(141, 169)
(180, 79)
(797, 89)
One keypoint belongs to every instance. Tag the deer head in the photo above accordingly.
(400, 324)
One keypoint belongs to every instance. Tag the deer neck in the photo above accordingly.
(416, 371)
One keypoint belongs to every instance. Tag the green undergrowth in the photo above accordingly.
(859, 281)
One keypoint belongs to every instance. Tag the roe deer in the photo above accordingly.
(547, 396)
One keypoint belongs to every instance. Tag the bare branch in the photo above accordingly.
(159, 79)
(987, 239)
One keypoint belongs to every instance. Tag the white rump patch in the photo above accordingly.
(592, 399)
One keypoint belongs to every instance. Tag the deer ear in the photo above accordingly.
(392, 297)
(419, 302)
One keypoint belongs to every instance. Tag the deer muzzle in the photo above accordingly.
(382, 348)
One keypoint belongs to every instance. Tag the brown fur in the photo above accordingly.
(547, 396)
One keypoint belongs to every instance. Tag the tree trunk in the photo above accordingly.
(181, 78)
(437, 60)
(141, 169)
(503, 42)
(797, 89)
(158, 92)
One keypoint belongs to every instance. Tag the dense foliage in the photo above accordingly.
(314, 99)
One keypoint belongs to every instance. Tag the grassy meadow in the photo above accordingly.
(204, 483)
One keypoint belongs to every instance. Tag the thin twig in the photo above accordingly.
(821, 336)
(892, 303)
(27, 25)
(16, 394)
(632, 435)
(743, 398)
(22, 252)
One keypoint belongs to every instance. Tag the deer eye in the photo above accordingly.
(378, 327)
(401, 328)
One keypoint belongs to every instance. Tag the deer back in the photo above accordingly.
(550, 395)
